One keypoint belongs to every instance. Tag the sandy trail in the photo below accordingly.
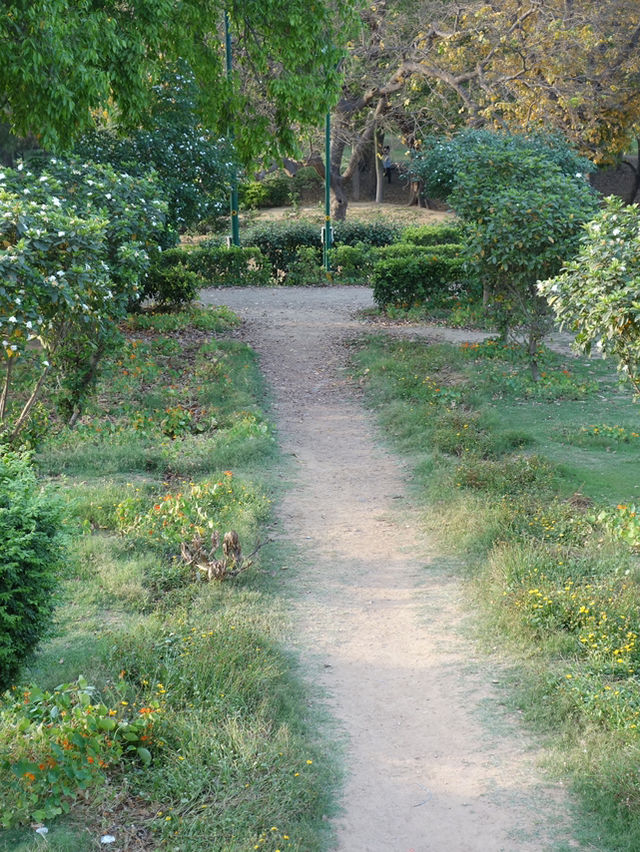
(379, 615)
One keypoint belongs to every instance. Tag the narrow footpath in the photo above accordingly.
(433, 763)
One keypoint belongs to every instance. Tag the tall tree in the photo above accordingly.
(520, 64)
(60, 60)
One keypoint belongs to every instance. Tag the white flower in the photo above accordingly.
(12, 319)
(56, 202)
(29, 324)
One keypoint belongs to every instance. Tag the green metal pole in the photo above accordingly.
(235, 225)
(327, 193)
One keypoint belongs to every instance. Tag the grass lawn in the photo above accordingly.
(535, 486)
(163, 710)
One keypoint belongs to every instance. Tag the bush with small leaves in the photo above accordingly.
(433, 235)
(31, 545)
(411, 279)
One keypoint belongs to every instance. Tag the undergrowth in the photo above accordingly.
(164, 711)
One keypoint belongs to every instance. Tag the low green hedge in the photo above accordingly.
(448, 250)
(432, 235)
(412, 278)
(180, 273)
(233, 266)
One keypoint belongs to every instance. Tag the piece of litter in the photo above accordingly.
(107, 838)
(42, 830)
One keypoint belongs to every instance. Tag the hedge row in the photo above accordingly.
(406, 266)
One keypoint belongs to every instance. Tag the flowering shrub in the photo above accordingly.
(191, 167)
(196, 508)
(75, 240)
(598, 292)
(63, 742)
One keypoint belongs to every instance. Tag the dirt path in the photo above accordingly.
(379, 616)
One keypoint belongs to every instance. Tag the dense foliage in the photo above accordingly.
(63, 60)
(408, 275)
(441, 160)
(191, 166)
(598, 293)
(523, 201)
(31, 547)
(76, 244)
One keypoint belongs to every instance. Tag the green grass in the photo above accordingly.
(236, 760)
(533, 486)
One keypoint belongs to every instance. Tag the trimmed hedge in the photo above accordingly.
(180, 273)
(279, 241)
(232, 266)
(410, 250)
(432, 235)
(352, 264)
(31, 548)
(413, 278)
(370, 233)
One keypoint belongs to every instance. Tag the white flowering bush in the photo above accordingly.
(76, 242)
(597, 294)
(191, 165)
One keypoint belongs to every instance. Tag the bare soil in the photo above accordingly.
(433, 761)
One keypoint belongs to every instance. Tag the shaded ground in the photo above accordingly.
(433, 763)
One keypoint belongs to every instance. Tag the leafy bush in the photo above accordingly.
(273, 191)
(442, 159)
(448, 250)
(598, 293)
(77, 243)
(280, 241)
(306, 270)
(432, 235)
(278, 190)
(352, 264)
(230, 267)
(412, 279)
(213, 265)
(351, 233)
(31, 548)
(173, 285)
(64, 742)
(190, 165)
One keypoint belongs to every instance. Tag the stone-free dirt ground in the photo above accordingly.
(433, 761)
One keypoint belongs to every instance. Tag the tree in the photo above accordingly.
(523, 204)
(597, 295)
(60, 60)
(520, 64)
(192, 166)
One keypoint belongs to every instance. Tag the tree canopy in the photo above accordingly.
(524, 65)
(61, 60)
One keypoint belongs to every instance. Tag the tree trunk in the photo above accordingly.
(340, 200)
(533, 356)
(635, 185)
(355, 184)
(5, 389)
(378, 142)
